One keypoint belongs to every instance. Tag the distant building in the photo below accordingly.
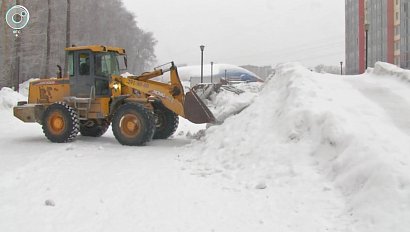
(354, 10)
(387, 23)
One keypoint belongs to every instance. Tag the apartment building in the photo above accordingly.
(377, 30)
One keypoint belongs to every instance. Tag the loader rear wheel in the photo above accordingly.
(133, 125)
(60, 123)
(166, 122)
(94, 128)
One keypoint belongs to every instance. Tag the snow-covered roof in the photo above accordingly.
(187, 72)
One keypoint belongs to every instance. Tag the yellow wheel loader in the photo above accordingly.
(94, 96)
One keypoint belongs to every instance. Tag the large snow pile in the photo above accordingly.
(226, 103)
(9, 98)
(351, 131)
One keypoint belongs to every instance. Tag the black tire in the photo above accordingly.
(133, 125)
(166, 122)
(93, 128)
(60, 123)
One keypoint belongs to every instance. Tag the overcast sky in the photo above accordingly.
(258, 32)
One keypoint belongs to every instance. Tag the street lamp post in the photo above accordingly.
(212, 72)
(366, 28)
(341, 67)
(202, 47)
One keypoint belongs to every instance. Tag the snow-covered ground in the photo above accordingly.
(312, 152)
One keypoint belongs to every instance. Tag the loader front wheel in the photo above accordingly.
(166, 122)
(133, 125)
(60, 123)
(94, 128)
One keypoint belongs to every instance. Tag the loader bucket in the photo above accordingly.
(195, 109)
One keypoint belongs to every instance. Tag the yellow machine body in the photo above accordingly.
(48, 91)
(141, 89)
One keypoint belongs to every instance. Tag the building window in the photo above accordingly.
(397, 60)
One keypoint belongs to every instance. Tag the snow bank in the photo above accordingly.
(9, 98)
(303, 120)
(24, 87)
(386, 69)
(225, 103)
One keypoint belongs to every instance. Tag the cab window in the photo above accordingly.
(71, 63)
(106, 65)
(122, 62)
(84, 64)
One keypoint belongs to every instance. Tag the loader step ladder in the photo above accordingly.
(83, 105)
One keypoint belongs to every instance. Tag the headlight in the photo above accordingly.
(116, 86)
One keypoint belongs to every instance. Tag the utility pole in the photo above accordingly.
(212, 72)
(366, 28)
(48, 50)
(202, 47)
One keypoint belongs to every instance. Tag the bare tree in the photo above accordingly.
(48, 49)
(67, 35)
(5, 71)
(42, 42)
(16, 66)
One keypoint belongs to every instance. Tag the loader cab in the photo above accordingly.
(90, 70)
